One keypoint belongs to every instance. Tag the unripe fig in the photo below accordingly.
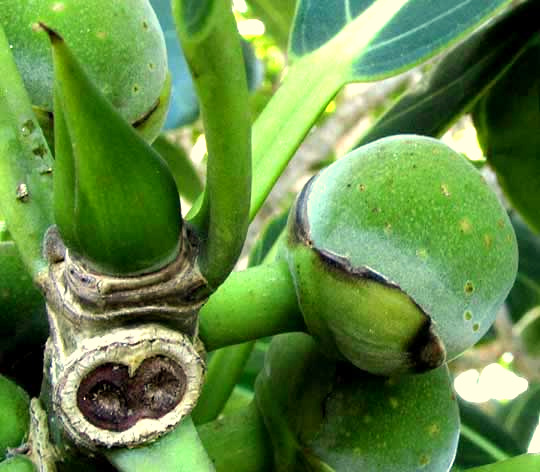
(14, 415)
(120, 44)
(401, 255)
(324, 415)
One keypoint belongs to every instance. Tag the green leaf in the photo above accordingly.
(528, 330)
(25, 166)
(507, 121)
(523, 463)
(460, 78)
(375, 38)
(180, 450)
(116, 202)
(277, 16)
(525, 293)
(186, 177)
(520, 415)
(336, 42)
(326, 416)
(217, 66)
(482, 439)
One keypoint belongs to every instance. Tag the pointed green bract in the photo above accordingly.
(116, 203)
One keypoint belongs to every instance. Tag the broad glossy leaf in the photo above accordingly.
(523, 463)
(482, 440)
(525, 293)
(507, 121)
(460, 78)
(374, 38)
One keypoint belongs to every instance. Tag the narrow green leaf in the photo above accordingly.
(460, 78)
(482, 439)
(277, 16)
(180, 450)
(523, 463)
(116, 202)
(217, 66)
(520, 415)
(25, 166)
(186, 177)
(507, 121)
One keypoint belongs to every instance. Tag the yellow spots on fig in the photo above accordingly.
(27, 128)
(467, 315)
(394, 403)
(388, 228)
(22, 192)
(101, 34)
(422, 253)
(434, 429)
(468, 288)
(465, 226)
(500, 223)
(145, 25)
(58, 7)
(362, 187)
(36, 27)
(444, 190)
(424, 460)
(136, 88)
(151, 66)
(488, 241)
(476, 327)
(376, 210)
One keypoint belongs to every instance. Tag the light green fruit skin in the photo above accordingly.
(17, 464)
(120, 44)
(337, 418)
(14, 415)
(420, 217)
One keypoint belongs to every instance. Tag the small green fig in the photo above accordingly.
(14, 415)
(324, 415)
(120, 43)
(17, 464)
(401, 255)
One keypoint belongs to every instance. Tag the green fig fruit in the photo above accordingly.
(401, 255)
(17, 464)
(328, 416)
(14, 415)
(121, 45)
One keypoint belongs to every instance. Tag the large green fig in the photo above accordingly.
(328, 416)
(401, 255)
(14, 415)
(120, 44)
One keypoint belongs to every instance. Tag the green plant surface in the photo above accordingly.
(116, 202)
(238, 441)
(523, 463)
(130, 73)
(25, 166)
(252, 304)
(525, 293)
(361, 41)
(511, 146)
(327, 416)
(186, 177)
(460, 79)
(404, 214)
(14, 415)
(180, 450)
(216, 62)
(277, 16)
(17, 464)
